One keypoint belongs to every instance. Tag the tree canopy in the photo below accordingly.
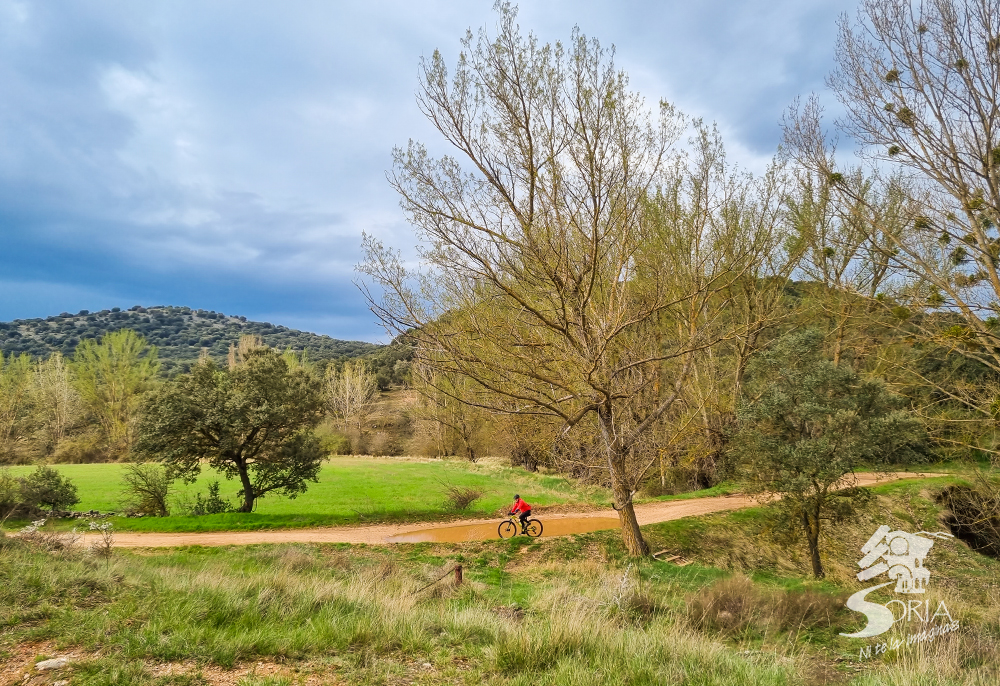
(252, 422)
(570, 253)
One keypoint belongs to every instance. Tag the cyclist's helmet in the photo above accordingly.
(516, 496)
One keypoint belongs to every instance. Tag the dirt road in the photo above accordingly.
(477, 529)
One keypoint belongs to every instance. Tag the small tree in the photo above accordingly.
(807, 425)
(146, 488)
(252, 422)
(57, 400)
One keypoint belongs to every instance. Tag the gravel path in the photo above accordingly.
(647, 513)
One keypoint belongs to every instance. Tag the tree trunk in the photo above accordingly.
(248, 494)
(812, 535)
(631, 536)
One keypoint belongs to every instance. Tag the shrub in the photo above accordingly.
(331, 441)
(736, 605)
(85, 448)
(146, 488)
(213, 504)
(460, 497)
(975, 514)
(383, 443)
(729, 606)
(105, 544)
(10, 494)
(45, 487)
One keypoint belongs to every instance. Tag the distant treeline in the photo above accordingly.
(85, 407)
(179, 333)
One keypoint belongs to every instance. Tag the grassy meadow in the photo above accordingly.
(351, 490)
(573, 610)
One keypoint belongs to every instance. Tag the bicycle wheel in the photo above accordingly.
(534, 528)
(506, 529)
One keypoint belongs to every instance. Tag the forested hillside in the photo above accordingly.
(179, 333)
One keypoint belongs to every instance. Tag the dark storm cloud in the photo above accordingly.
(228, 155)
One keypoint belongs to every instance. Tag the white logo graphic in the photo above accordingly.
(901, 555)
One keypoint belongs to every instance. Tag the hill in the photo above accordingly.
(180, 333)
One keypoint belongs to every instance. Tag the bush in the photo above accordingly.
(331, 441)
(213, 504)
(975, 514)
(383, 443)
(85, 448)
(10, 494)
(45, 487)
(460, 497)
(146, 488)
(736, 605)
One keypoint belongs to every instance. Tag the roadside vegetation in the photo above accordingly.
(528, 611)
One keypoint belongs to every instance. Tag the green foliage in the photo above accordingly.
(806, 423)
(10, 494)
(212, 504)
(146, 488)
(111, 377)
(16, 402)
(332, 441)
(391, 365)
(179, 333)
(46, 487)
(252, 422)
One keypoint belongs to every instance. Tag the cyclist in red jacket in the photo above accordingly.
(524, 509)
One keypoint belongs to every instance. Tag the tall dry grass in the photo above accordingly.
(298, 603)
(581, 622)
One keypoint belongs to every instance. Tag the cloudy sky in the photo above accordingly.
(228, 155)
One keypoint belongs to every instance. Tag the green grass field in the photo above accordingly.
(351, 490)
(568, 611)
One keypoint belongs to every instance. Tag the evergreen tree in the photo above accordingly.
(807, 425)
(252, 422)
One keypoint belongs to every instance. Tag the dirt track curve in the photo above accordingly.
(473, 529)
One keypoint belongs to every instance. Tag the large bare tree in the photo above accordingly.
(58, 401)
(351, 393)
(550, 279)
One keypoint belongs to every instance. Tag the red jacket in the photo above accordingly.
(520, 506)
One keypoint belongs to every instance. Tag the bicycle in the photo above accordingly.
(509, 527)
